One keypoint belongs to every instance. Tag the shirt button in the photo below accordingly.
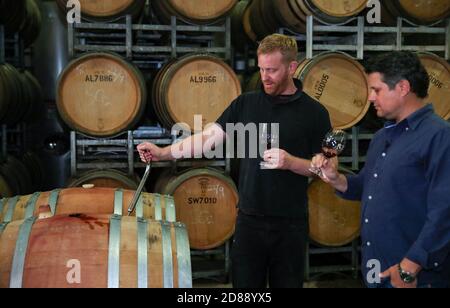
(407, 129)
(436, 264)
(370, 198)
(368, 244)
(366, 221)
(375, 175)
(384, 154)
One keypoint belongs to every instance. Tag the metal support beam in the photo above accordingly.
(2, 44)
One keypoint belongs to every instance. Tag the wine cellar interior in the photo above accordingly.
(68, 145)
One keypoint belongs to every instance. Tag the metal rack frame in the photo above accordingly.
(17, 58)
(85, 149)
(355, 137)
(361, 33)
(353, 249)
(219, 274)
(78, 34)
(2, 44)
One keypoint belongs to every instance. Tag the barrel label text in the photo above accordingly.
(203, 79)
(99, 78)
(321, 86)
(201, 200)
(435, 81)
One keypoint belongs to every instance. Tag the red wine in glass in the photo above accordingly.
(332, 145)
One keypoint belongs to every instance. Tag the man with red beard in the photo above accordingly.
(269, 243)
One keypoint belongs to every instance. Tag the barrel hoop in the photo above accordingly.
(157, 205)
(183, 256)
(20, 253)
(140, 207)
(31, 205)
(2, 204)
(142, 235)
(114, 252)
(118, 201)
(3, 227)
(167, 255)
(11, 207)
(53, 200)
(170, 209)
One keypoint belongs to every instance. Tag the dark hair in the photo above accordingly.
(400, 65)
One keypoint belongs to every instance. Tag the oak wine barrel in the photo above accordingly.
(106, 10)
(5, 189)
(340, 84)
(16, 175)
(439, 92)
(206, 202)
(194, 85)
(23, 17)
(264, 17)
(110, 178)
(101, 95)
(21, 99)
(421, 12)
(192, 11)
(239, 37)
(94, 251)
(333, 221)
(97, 200)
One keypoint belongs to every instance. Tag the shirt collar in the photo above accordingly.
(280, 100)
(414, 119)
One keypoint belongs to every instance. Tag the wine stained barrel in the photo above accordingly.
(95, 200)
(94, 251)
(340, 84)
(101, 95)
(206, 202)
(333, 221)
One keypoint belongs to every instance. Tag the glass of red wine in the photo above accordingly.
(332, 145)
(269, 138)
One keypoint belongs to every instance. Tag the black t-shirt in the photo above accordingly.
(303, 122)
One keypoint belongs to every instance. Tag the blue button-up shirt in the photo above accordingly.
(405, 192)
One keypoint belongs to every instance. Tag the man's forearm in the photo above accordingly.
(195, 145)
(187, 148)
(340, 183)
(300, 166)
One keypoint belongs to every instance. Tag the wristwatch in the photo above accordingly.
(405, 276)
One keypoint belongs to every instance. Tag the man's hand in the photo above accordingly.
(277, 159)
(329, 167)
(396, 281)
(150, 152)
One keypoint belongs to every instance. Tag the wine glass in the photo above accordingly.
(332, 145)
(269, 138)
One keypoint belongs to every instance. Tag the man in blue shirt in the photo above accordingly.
(405, 184)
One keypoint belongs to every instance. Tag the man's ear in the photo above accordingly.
(404, 86)
(293, 67)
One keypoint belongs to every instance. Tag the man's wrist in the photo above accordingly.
(405, 276)
(408, 270)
